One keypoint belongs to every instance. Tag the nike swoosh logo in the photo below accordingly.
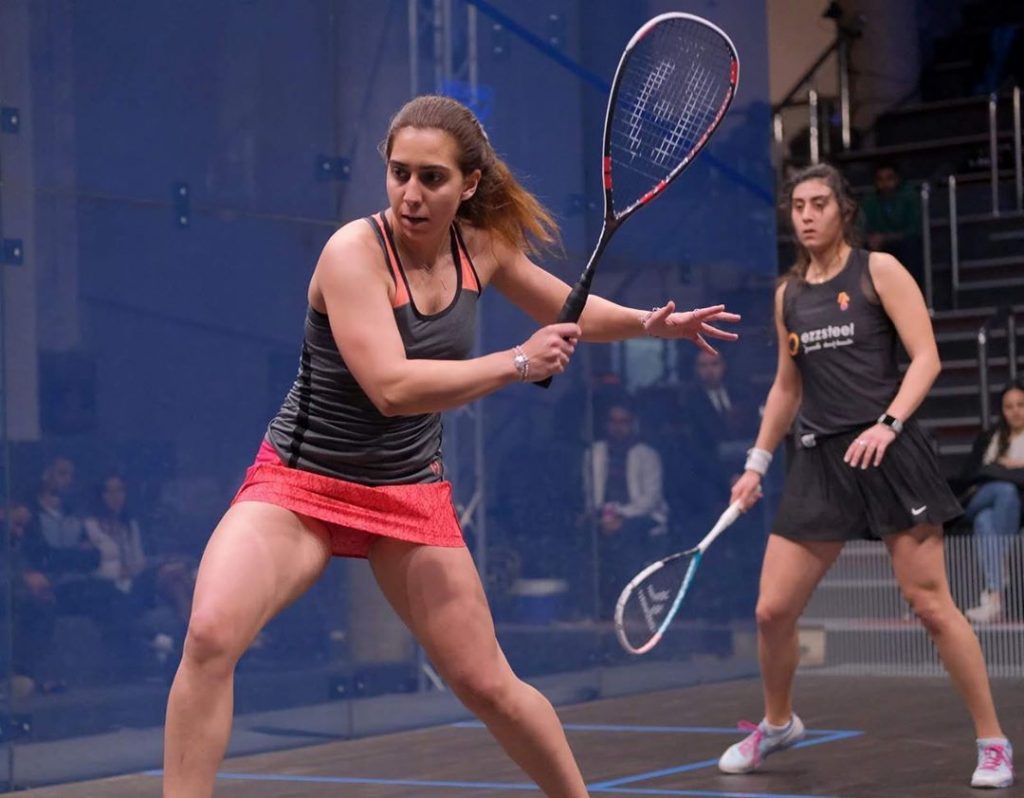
(918, 510)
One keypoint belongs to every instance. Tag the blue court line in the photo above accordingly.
(622, 786)
(475, 724)
(476, 785)
(820, 739)
(602, 85)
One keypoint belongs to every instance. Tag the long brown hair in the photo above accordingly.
(834, 179)
(1003, 428)
(500, 203)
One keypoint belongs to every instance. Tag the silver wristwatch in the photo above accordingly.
(891, 422)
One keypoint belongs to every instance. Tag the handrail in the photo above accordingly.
(821, 59)
(1003, 315)
(840, 45)
(926, 245)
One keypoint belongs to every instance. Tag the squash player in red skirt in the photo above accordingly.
(351, 465)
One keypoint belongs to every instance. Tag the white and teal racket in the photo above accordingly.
(649, 603)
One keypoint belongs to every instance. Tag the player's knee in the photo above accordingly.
(774, 616)
(928, 605)
(212, 641)
(482, 690)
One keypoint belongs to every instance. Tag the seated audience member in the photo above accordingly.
(994, 474)
(70, 562)
(623, 497)
(721, 416)
(34, 607)
(721, 412)
(150, 586)
(891, 218)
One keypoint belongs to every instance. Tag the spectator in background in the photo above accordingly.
(723, 419)
(623, 497)
(994, 474)
(161, 590)
(891, 218)
(64, 553)
(34, 601)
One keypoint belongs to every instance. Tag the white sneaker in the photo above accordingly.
(989, 609)
(995, 764)
(748, 753)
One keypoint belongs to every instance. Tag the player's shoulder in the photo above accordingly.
(887, 273)
(883, 262)
(352, 237)
(352, 246)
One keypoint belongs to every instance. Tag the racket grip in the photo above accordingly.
(571, 310)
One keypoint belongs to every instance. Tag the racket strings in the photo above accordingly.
(647, 605)
(675, 84)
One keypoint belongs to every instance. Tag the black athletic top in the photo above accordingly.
(328, 424)
(845, 347)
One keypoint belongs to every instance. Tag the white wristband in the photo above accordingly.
(758, 461)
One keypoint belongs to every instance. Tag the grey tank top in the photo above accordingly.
(329, 426)
(845, 346)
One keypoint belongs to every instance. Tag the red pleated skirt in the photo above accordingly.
(355, 515)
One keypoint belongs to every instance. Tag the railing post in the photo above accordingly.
(993, 149)
(983, 375)
(926, 243)
(813, 122)
(954, 241)
(843, 61)
(779, 137)
(1017, 171)
(1011, 344)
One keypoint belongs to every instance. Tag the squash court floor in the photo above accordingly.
(867, 737)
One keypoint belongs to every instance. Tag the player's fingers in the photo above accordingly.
(707, 329)
(880, 453)
(699, 340)
(567, 329)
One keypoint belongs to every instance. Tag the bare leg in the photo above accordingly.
(259, 559)
(790, 572)
(437, 592)
(918, 560)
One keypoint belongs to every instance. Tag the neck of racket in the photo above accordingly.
(725, 520)
(577, 299)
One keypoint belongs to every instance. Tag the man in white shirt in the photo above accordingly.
(623, 495)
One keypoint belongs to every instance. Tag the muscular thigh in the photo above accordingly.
(919, 560)
(792, 569)
(259, 559)
(437, 592)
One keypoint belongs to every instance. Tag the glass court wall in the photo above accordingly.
(169, 172)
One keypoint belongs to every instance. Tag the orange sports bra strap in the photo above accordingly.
(470, 280)
(401, 292)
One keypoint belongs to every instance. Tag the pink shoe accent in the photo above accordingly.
(751, 745)
(994, 756)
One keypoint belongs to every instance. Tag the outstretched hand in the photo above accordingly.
(665, 322)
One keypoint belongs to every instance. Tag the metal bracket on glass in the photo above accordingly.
(10, 120)
(12, 252)
(15, 727)
(328, 168)
(182, 198)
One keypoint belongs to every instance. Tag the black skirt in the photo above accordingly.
(825, 499)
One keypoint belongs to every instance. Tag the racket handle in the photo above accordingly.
(571, 311)
(725, 520)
